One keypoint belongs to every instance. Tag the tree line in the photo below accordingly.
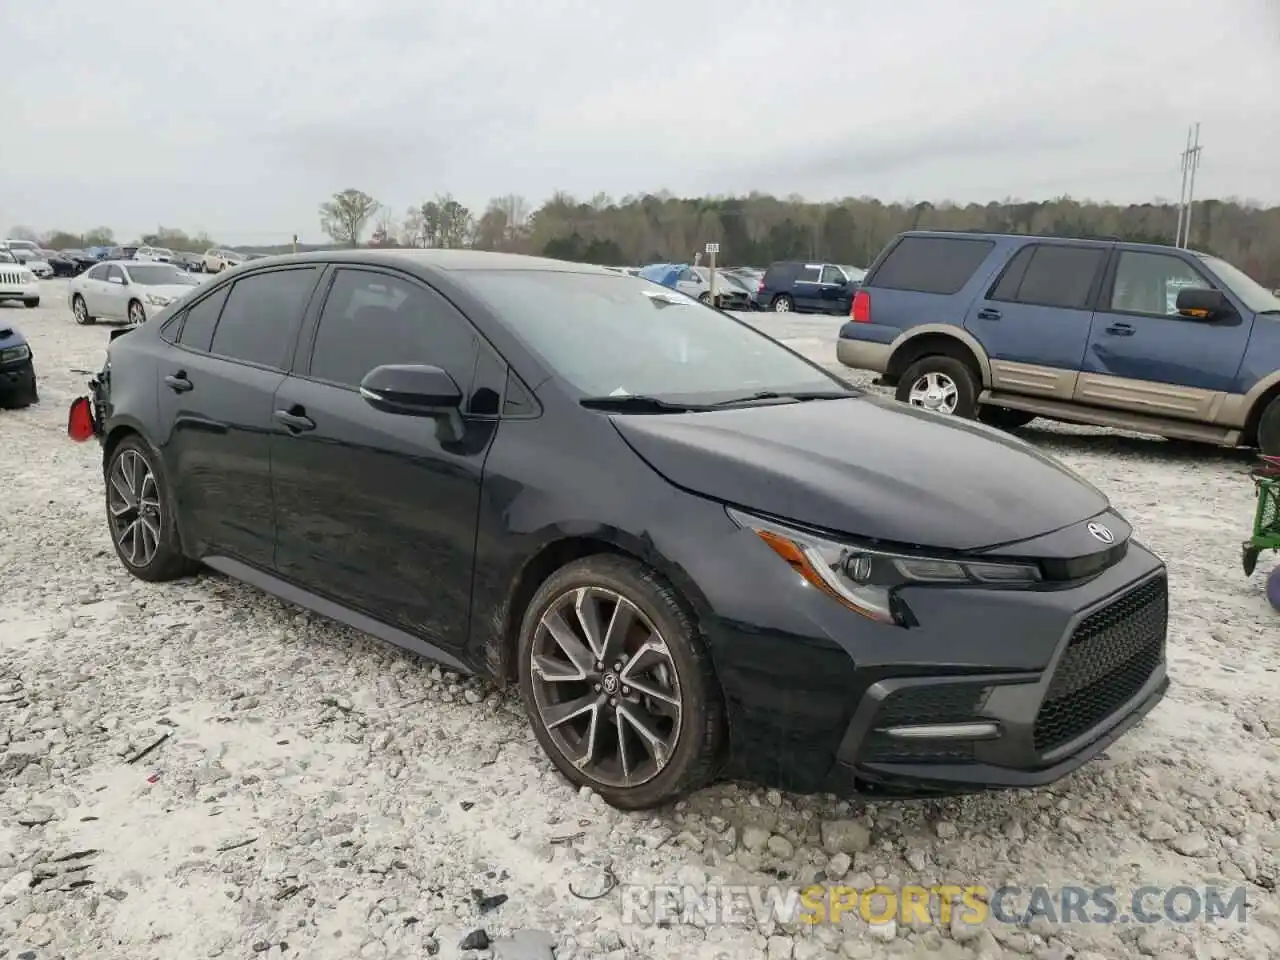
(754, 230)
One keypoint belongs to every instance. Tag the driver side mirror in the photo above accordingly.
(1197, 303)
(413, 390)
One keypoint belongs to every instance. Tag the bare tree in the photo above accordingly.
(23, 233)
(345, 216)
(515, 213)
(414, 230)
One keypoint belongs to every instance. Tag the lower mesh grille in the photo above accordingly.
(926, 704)
(1112, 653)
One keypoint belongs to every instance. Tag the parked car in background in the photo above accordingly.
(126, 290)
(188, 261)
(98, 253)
(17, 368)
(38, 265)
(154, 254)
(217, 260)
(803, 287)
(24, 250)
(83, 259)
(695, 553)
(121, 253)
(1006, 328)
(696, 282)
(61, 264)
(17, 282)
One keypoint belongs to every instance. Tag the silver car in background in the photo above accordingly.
(130, 290)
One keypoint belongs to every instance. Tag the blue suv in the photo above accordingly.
(1006, 328)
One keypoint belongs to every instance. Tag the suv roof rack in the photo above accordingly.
(1048, 236)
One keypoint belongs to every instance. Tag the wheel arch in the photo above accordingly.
(937, 338)
(1255, 402)
(503, 635)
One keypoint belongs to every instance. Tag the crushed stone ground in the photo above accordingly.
(318, 794)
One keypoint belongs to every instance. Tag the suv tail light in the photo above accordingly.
(760, 286)
(861, 311)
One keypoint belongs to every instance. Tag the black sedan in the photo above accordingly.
(63, 265)
(696, 553)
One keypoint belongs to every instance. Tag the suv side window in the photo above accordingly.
(1051, 275)
(941, 265)
(370, 319)
(832, 274)
(809, 273)
(114, 273)
(260, 319)
(1148, 283)
(201, 319)
(97, 273)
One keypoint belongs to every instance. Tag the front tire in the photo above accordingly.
(80, 311)
(1269, 429)
(618, 685)
(942, 384)
(31, 303)
(140, 514)
(136, 314)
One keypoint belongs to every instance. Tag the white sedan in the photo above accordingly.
(127, 290)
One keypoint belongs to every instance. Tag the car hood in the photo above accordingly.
(10, 337)
(869, 467)
(35, 263)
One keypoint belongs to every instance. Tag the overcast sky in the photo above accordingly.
(239, 116)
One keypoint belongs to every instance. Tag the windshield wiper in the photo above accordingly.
(797, 395)
(633, 403)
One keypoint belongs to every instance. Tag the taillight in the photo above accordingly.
(80, 420)
(861, 311)
(760, 286)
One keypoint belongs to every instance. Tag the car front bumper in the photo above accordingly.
(19, 291)
(996, 688)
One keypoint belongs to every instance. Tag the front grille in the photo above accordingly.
(925, 704)
(11, 278)
(1110, 656)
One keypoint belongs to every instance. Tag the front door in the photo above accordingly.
(836, 293)
(1143, 356)
(807, 288)
(375, 510)
(113, 295)
(215, 394)
(1034, 320)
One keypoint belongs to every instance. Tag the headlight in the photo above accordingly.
(867, 580)
(13, 354)
(27, 276)
(158, 301)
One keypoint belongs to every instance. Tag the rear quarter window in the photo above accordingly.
(941, 265)
(780, 274)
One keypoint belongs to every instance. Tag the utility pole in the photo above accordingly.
(1182, 193)
(1191, 188)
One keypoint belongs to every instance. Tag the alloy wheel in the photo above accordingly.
(782, 305)
(81, 311)
(934, 391)
(136, 314)
(605, 687)
(133, 504)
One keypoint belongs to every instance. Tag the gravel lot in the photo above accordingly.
(325, 796)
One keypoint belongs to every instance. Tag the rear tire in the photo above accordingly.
(783, 304)
(954, 380)
(135, 479)
(704, 298)
(1004, 418)
(664, 623)
(1269, 429)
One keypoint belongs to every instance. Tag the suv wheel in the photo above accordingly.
(942, 384)
(617, 684)
(1269, 429)
(1004, 417)
(783, 304)
(140, 516)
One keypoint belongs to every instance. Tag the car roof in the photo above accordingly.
(983, 235)
(449, 261)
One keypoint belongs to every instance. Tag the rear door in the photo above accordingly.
(215, 395)
(1034, 320)
(375, 510)
(1144, 357)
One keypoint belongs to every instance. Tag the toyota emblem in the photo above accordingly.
(1101, 533)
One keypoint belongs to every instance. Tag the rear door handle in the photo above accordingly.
(1120, 330)
(295, 422)
(988, 313)
(179, 383)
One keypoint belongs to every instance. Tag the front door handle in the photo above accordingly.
(296, 422)
(988, 313)
(1120, 330)
(179, 383)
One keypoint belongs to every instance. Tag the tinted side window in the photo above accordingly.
(261, 316)
(1149, 283)
(114, 273)
(940, 265)
(202, 317)
(833, 275)
(97, 273)
(370, 319)
(808, 274)
(1006, 287)
(1055, 276)
(778, 275)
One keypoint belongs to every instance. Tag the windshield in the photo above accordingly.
(1254, 295)
(612, 335)
(23, 245)
(160, 275)
(7, 257)
(853, 273)
(162, 251)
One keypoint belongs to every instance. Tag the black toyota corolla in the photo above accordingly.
(698, 554)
